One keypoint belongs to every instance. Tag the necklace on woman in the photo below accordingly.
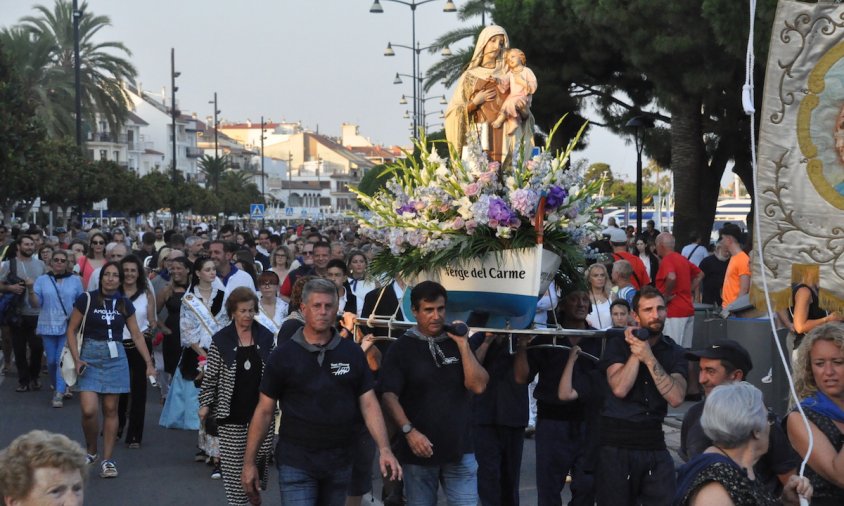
(246, 364)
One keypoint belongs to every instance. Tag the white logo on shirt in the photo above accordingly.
(340, 369)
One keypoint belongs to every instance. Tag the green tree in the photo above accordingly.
(596, 171)
(104, 67)
(21, 138)
(213, 168)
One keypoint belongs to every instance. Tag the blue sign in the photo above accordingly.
(256, 211)
(288, 211)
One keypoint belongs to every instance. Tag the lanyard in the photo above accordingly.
(109, 317)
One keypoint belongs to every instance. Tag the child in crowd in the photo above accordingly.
(620, 312)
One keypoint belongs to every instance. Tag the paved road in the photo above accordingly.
(163, 472)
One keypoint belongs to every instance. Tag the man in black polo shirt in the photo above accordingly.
(323, 385)
(427, 378)
(565, 430)
(722, 363)
(644, 378)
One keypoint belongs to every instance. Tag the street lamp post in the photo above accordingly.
(376, 8)
(174, 113)
(263, 195)
(639, 123)
(216, 124)
(418, 104)
(77, 74)
(289, 176)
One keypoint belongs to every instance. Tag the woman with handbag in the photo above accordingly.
(101, 365)
(231, 387)
(55, 293)
(136, 289)
(202, 316)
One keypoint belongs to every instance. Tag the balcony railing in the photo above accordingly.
(193, 152)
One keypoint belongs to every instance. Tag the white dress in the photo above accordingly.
(600, 317)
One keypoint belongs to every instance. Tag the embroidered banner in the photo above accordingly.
(800, 172)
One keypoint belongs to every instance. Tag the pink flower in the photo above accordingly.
(472, 189)
(458, 223)
(494, 166)
(487, 177)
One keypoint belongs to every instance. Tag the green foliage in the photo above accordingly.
(44, 46)
(597, 171)
(213, 168)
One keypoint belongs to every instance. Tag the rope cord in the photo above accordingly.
(749, 109)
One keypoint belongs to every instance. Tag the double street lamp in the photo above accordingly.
(416, 76)
(376, 8)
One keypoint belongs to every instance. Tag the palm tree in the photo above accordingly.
(449, 68)
(213, 168)
(51, 67)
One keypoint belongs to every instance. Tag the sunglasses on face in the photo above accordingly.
(60, 260)
(95, 243)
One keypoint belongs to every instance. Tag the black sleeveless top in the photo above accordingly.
(711, 467)
(815, 311)
(824, 491)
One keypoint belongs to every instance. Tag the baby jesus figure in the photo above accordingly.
(521, 82)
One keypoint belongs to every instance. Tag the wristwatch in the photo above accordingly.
(406, 428)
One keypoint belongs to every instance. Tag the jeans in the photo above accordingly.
(561, 448)
(23, 335)
(299, 487)
(53, 347)
(635, 477)
(459, 480)
(498, 450)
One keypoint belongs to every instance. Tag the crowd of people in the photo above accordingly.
(253, 339)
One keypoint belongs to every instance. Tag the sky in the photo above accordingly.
(316, 61)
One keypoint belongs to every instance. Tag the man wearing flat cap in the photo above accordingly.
(723, 362)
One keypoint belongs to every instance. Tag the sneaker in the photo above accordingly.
(91, 458)
(108, 469)
(58, 400)
(216, 474)
(200, 456)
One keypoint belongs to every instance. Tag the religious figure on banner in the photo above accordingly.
(477, 101)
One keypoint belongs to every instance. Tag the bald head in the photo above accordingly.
(664, 243)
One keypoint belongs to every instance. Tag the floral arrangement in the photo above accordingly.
(435, 211)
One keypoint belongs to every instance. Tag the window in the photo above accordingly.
(103, 154)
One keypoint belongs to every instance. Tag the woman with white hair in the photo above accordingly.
(736, 420)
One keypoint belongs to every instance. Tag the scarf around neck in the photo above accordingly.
(433, 346)
(299, 338)
(823, 405)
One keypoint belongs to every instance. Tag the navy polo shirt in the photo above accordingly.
(504, 402)
(320, 404)
(643, 402)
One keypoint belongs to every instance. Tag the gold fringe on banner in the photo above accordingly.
(780, 300)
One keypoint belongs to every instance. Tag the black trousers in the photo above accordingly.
(498, 450)
(134, 403)
(635, 477)
(23, 336)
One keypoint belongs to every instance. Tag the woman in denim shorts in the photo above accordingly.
(102, 367)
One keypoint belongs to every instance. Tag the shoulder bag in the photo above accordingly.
(66, 363)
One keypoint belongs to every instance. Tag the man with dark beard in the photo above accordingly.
(17, 276)
(644, 377)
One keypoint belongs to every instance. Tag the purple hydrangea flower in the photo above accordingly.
(556, 196)
(499, 211)
(406, 208)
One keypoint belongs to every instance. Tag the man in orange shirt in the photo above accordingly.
(737, 278)
(618, 240)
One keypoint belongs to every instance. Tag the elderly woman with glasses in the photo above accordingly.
(736, 420)
(55, 292)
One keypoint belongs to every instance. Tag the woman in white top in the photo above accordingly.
(136, 290)
(360, 281)
(202, 316)
(598, 288)
(272, 309)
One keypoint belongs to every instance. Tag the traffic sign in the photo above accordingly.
(256, 211)
(288, 211)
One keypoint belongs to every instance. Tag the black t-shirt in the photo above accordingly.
(104, 314)
(714, 271)
(504, 402)
(288, 328)
(320, 403)
(549, 364)
(247, 383)
(643, 402)
(434, 399)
